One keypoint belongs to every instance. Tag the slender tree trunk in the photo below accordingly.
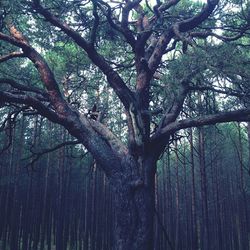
(163, 197)
(204, 193)
(9, 196)
(62, 186)
(170, 196)
(15, 216)
(218, 209)
(177, 200)
(195, 236)
(44, 205)
(243, 198)
(248, 136)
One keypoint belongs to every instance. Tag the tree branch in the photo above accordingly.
(46, 74)
(124, 30)
(8, 124)
(230, 116)
(124, 93)
(176, 108)
(113, 141)
(78, 127)
(227, 91)
(32, 102)
(37, 155)
(182, 26)
(195, 21)
(221, 37)
(126, 10)
(63, 114)
(11, 55)
(96, 23)
(22, 87)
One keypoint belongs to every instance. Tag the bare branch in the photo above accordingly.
(221, 37)
(37, 155)
(11, 55)
(8, 125)
(22, 87)
(227, 91)
(230, 116)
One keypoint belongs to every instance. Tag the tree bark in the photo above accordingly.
(134, 206)
(195, 236)
(204, 192)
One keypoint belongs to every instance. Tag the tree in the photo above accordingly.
(148, 39)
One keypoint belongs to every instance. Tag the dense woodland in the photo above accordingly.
(124, 125)
(62, 200)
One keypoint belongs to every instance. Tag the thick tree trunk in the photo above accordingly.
(134, 206)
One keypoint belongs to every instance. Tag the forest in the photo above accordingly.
(125, 125)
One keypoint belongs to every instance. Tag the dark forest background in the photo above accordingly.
(59, 200)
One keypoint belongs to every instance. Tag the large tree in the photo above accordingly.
(151, 39)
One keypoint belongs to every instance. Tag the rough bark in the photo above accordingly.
(134, 206)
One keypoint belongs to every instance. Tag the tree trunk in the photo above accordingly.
(177, 200)
(195, 235)
(204, 193)
(134, 206)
